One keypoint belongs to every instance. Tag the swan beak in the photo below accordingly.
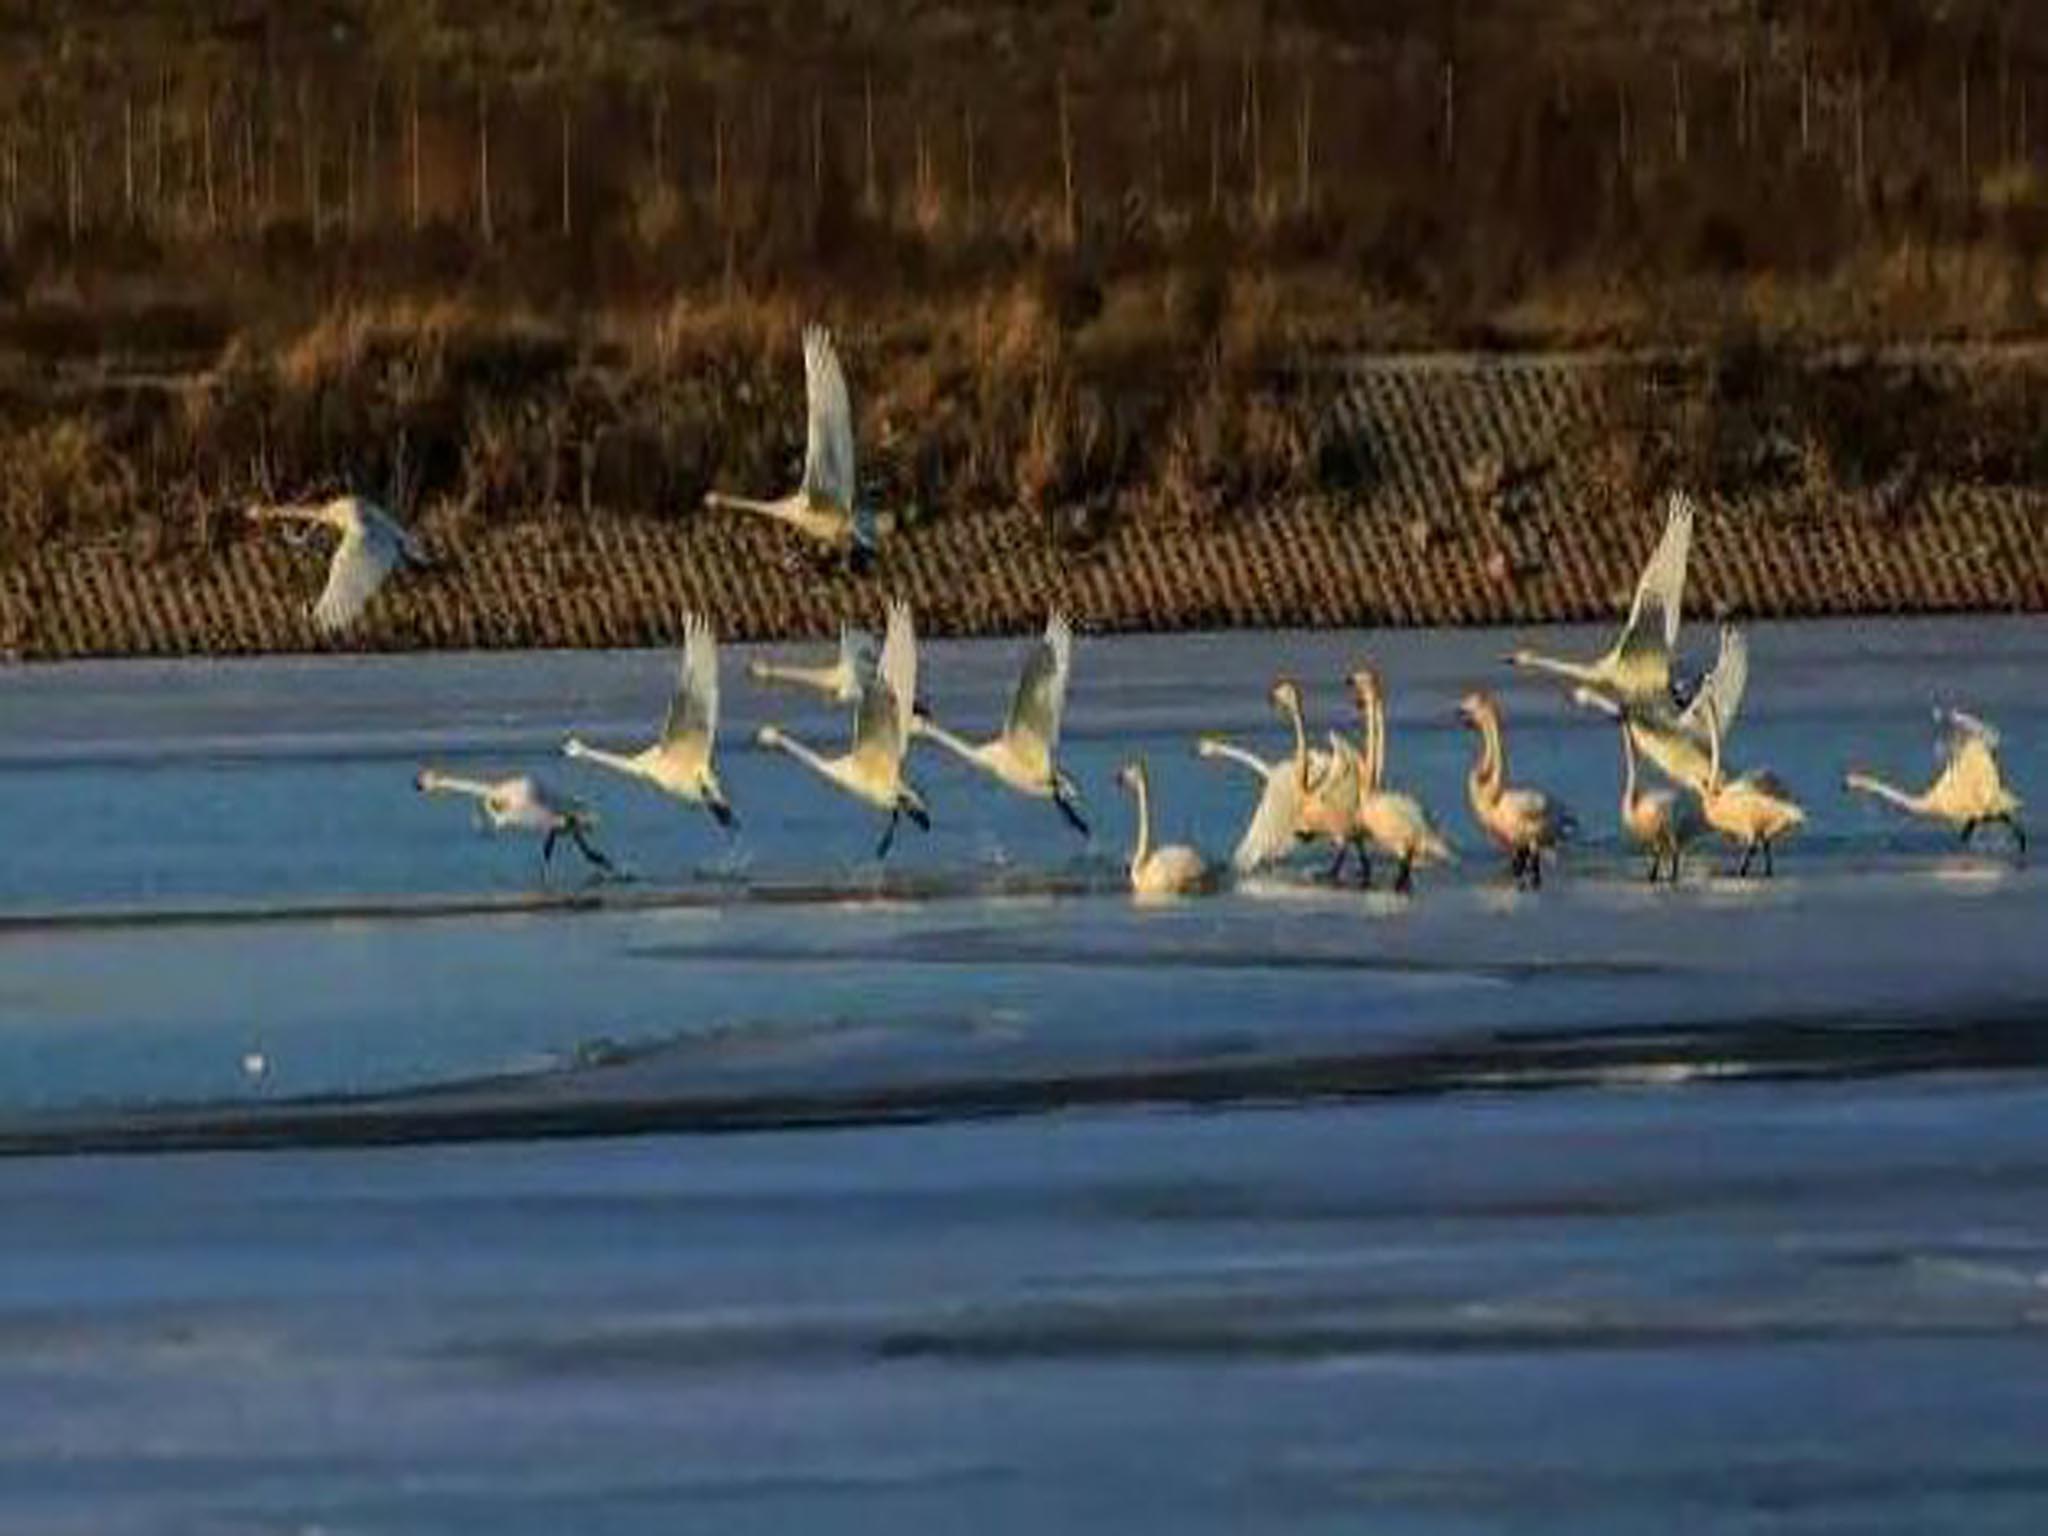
(722, 814)
(919, 816)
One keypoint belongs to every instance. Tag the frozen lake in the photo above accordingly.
(1066, 1212)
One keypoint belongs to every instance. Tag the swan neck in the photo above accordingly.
(451, 784)
(1375, 742)
(928, 727)
(1143, 850)
(617, 762)
(1293, 707)
(1871, 785)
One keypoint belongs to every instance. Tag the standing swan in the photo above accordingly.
(1654, 818)
(1522, 822)
(840, 682)
(1968, 792)
(1396, 823)
(1329, 787)
(1175, 870)
(1754, 810)
(825, 507)
(373, 545)
(680, 762)
(872, 768)
(1024, 756)
(525, 804)
(1637, 669)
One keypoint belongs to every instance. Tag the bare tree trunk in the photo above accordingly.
(309, 159)
(1681, 145)
(206, 160)
(1258, 151)
(74, 212)
(1624, 147)
(1805, 107)
(413, 148)
(1862, 174)
(1449, 148)
(483, 162)
(348, 183)
(1070, 221)
(1215, 166)
(661, 136)
(163, 113)
(1303, 195)
(372, 162)
(718, 164)
(973, 189)
(128, 158)
(817, 159)
(871, 195)
(1963, 123)
(567, 224)
(13, 190)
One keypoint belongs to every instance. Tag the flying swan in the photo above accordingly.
(524, 804)
(1024, 757)
(871, 770)
(840, 681)
(1637, 670)
(825, 508)
(679, 763)
(373, 545)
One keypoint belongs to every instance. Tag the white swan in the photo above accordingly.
(1657, 820)
(1397, 824)
(1753, 811)
(1968, 791)
(825, 508)
(1271, 831)
(680, 762)
(871, 770)
(1329, 787)
(1675, 742)
(1636, 670)
(524, 804)
(373, 545)
(1176, 869)
(1025, 756)
(840, 682)
(1523, 823)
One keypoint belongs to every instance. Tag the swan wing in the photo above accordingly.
(898, 668)
(1721, 690)
(1960, 728)
(877, 730)
(693, 711)
(828, 448)
(858, 651)
(381, 527)
(361, 562)
(1041, 697)
(1660, 591)
(1270, 833)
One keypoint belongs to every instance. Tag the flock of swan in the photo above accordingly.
(1335, 795)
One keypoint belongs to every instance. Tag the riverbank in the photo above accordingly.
(1450, 489)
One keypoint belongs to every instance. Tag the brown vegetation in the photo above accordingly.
(534, 274)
